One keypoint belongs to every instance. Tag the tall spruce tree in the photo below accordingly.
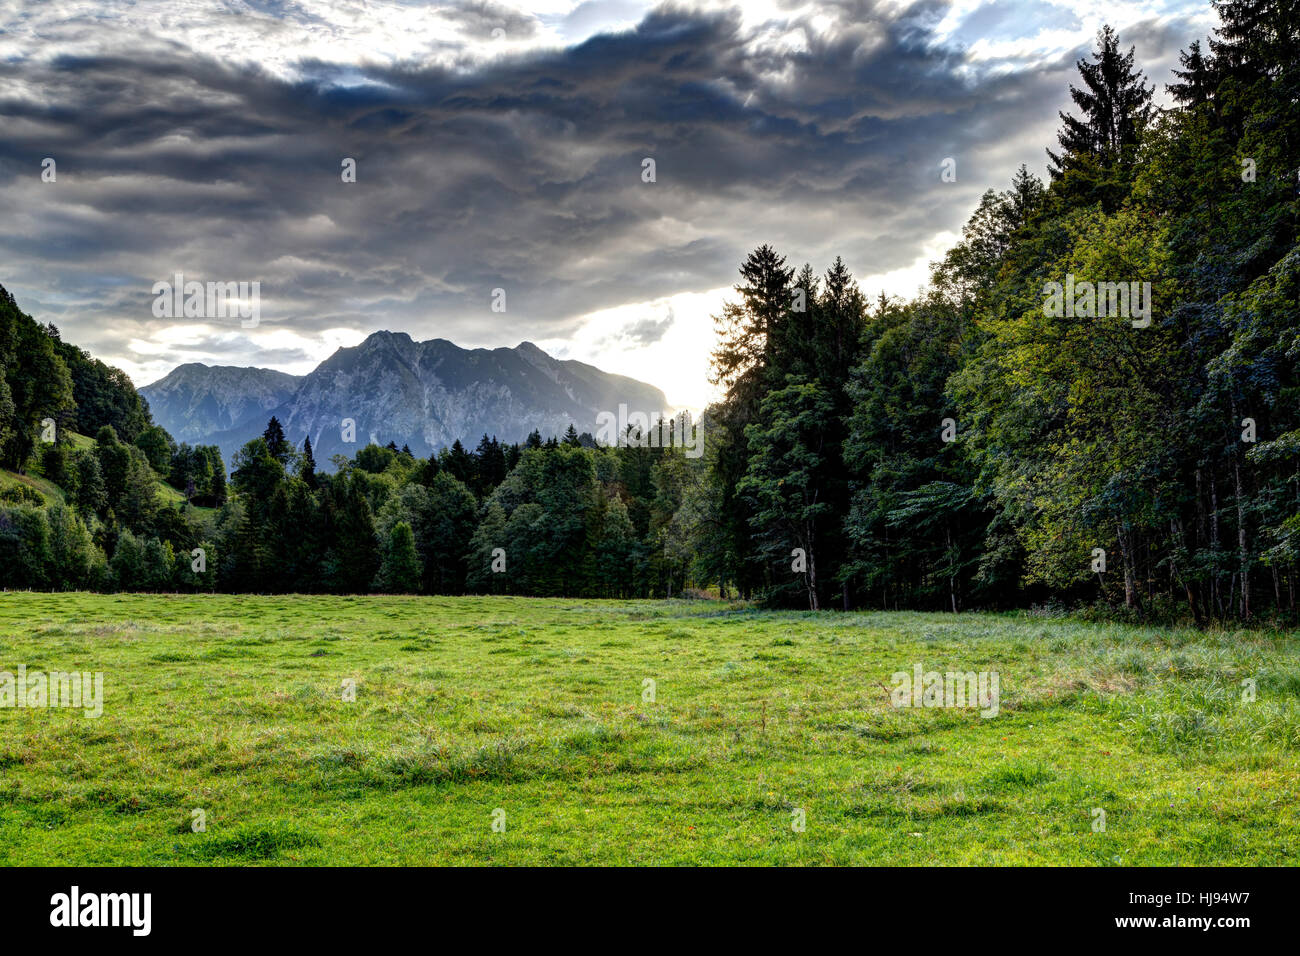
(1115, 107)
(307, 465)
(749, 331)
(279, 447)
(1197, 81)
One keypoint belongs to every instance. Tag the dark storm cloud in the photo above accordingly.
(521, 173)
(646, 331)
(482, 17)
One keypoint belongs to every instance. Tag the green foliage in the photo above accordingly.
(25, 555)
(400, 571)
(547, 503)
(198, 473)
(349, 544)
(158, 448)
(91, 494)
(54, 463)
(916, 523)
(36, 386)
(442, 517)
(47, 549)
(1169, 445)
(1099, 148)
(788, 454)
(103, 395)
(279, 447)
(796, 334)
(375, 459)
(21, 495)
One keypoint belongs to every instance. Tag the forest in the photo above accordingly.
(971, 448)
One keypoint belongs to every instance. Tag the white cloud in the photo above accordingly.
(907, 281)
(678, 362)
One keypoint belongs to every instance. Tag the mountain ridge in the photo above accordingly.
(425, 394)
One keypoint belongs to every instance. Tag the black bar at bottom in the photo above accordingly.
(947, 906)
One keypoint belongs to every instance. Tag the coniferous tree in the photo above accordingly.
(789, 509)
(1114, 104)
(350, 556)
(1197, 82)
(741, 365)
(218, 471)
(460, 464)
(489, 466)
(968, 448)
(276, 444)
(91, 495)
(307, 465)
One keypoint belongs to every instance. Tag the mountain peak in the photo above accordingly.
(422, 394)
(384, 336)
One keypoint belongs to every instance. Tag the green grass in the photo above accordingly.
(171, 498)
(465, 705)
(48, 490)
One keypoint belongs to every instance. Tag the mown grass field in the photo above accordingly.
(466, 705)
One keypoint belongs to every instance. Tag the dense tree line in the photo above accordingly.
(553, 517)
(997, 453)
(973, 447)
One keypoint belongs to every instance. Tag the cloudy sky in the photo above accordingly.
(501, 146)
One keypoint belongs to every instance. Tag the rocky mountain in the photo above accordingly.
(392, 388)
(196, 403)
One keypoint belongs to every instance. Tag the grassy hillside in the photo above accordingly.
(52, 493)
(173, 498)
(234, 705)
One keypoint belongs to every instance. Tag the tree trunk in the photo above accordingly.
(1215, 596)
(952, 584)
(1241, 544)
(812, 579)
(1180, 541)
(1126, 560)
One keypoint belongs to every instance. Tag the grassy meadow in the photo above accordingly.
(465, 706)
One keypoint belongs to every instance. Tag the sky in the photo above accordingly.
(502, 146)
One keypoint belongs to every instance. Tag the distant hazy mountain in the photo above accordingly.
(197, 402)
(421, 394)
